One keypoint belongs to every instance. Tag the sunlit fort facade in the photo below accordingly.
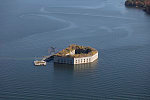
(76, 54)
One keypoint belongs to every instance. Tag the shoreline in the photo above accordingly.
(141, 4)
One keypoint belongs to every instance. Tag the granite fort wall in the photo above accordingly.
(69, 60)
(63, 60)
(85, 59)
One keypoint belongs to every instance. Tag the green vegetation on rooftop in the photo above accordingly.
(80, 51)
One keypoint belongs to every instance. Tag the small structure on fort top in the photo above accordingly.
(75, 54)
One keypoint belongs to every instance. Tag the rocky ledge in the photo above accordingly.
(144, 4)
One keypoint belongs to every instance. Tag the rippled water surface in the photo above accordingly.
(121, 35)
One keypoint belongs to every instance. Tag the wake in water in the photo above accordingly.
(70, 24)
(43, 10)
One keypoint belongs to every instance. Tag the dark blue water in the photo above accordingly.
(121, 35)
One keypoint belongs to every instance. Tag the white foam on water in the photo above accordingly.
(85, 14)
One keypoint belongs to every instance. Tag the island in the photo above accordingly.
(144, 4)
(76, 54)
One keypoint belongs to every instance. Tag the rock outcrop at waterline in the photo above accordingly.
(144, 4)
(147, 9)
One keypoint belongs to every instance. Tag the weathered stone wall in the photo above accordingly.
(81, 60)
(85, 59)
(63, 60)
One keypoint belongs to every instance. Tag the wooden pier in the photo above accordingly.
(40, 63)
(44, 60)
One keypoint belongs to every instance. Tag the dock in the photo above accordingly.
(44, 60)
(40, 63)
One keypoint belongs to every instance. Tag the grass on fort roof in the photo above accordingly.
(74, 47)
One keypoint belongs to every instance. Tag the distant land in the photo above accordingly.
(144, 4)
